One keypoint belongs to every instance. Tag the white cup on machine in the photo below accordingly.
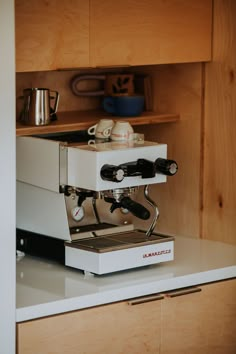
(102, 129)
(122, 131)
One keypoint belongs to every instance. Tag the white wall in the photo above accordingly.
(7, 178)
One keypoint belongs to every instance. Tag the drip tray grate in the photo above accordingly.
(118, 241)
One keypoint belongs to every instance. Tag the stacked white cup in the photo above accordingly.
(108, 129)
(102, 130)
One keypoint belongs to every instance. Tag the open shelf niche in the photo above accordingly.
(82, 120)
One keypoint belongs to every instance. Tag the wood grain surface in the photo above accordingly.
(137, 32)
(202, 322)
(219, 189)
(115, 329)
(178, 87)
(51, 34)
(82, 120)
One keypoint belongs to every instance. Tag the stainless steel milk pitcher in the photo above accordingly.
(37, 109)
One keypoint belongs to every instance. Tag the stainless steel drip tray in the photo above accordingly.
(123, 240)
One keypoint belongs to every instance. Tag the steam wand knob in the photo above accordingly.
(112, 173)
(166, 167)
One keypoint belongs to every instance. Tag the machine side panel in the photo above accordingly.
(82, 168)
(37, 162)
(41, 211)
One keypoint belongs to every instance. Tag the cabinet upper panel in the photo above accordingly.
(51, 34)
(54, 34)
(137, 32)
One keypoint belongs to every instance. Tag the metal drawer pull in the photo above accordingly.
(113, 66)
(183, 292)
(144, 299)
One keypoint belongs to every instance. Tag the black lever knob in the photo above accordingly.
(112, 173)
(166, 167)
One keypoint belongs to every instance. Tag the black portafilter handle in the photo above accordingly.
(135, 208)
(166, 167)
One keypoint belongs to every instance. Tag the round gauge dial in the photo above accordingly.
(77, 213)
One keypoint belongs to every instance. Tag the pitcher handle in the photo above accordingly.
(57, 96)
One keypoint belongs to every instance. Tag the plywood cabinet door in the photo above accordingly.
(51, 34)
(111, 329)
(137, 32)
(55, 34)
(219, 317)
(202, 322)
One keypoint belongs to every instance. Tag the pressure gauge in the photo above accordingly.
(77, 213)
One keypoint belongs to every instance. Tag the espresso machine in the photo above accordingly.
(63, 188)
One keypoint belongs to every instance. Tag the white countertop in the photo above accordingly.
(46, 288)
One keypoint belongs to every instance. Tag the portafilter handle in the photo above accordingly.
(126, 202)
(135, 208)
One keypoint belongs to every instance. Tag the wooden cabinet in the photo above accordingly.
(219, 191)
(55, 34)
(202, 322)
(51, 34)
(198, 322)
(137, 32)
(115, 329)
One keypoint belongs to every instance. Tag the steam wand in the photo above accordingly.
(156, 211)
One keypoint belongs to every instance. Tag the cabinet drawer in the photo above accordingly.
(116, 329)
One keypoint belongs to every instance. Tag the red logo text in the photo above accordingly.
(155, 254)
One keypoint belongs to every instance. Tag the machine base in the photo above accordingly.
(116, 252)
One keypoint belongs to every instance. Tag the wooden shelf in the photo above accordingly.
(82, 120)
